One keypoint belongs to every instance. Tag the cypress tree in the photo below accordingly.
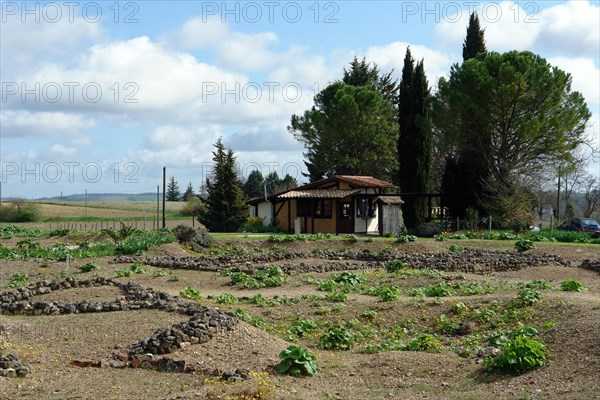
(474, 42)
(254, 184)
(415, 141)
(173, 192)
(225, 209)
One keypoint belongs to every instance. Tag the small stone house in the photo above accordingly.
(340, 204)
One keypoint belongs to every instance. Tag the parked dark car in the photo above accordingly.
(580, 224)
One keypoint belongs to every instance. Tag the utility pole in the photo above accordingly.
(164, 221)
(157, 205)
(86, 203)
(558, 197)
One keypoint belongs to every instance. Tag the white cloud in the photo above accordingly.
(19, 124)
(178, 146)
(570, 29)
(437, 64)
(62, 150)
(586, 76)
(243, 51)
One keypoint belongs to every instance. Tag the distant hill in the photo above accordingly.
(102, 197)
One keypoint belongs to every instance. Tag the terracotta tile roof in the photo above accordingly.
(364, 181)
(390, 200)
(317, 194)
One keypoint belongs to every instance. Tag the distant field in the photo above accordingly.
(106, 210)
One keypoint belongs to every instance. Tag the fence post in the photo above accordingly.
(490, 224)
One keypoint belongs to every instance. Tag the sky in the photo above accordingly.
(100, 96)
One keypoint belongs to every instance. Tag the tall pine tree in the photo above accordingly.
(414, 141)
(173, 192)
(189, 192)
(254, 184)
(475, 40)
(225, 209)
(466, 172)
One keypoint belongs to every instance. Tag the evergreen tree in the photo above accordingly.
(173, 190)
(288, 182)
(467, 170)
(475, 41)
(225, 209)
(189, 192)
(361, 73)
(414, 141)
(272, 182)
(350, 130)
(254, 184)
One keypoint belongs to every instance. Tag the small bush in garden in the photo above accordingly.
(388, 234)
(519, 355)
(189, 293)
(337, 339)
(137, 268)
(438, 290)
(125, 272)
(296, 360)
(226, 298)
(424, 342)
(395, 265)
(404, 238)
(387, 293)
(91, 266)
(18, 280)
(337, 297)
(199, 240)
(429, 229)
(524, 245)
(572, 285)
(526, 297)
(351, 238)
(347, 278)
(301, 327)
(271, 277)
(162, 272)
(455, 248)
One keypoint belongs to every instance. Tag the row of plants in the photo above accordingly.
(541, 236)
(135, 243)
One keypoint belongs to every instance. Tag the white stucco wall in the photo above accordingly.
(265, 211)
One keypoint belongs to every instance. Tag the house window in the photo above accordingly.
(303, 208)
(323, 208)
(364, 208)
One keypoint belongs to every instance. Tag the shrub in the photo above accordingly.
(199, 240)
(519, 355)
(572, 285)
(424, 342)
(189, 293)
(302, 326)
(455, 248)
(125, 272)
(429, 229)
(395, 265)
(19, 210)
(296, 361)
(193, 207)
(226, 298)
(404, 238)
(387, 293)
(91, 266)
(524, 245)
(337, 338)
(271, 277)
(526, 297)
(18, 280)
(351, 238)
(347, 278)
(254, 222)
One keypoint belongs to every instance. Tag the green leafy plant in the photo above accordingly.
(572, 285)
(271, 277)
(519, 355)
(125, 272)
(137, 268)
(296, 360)
(91, 266)
(302, 326)
(18, 280)
(226, 298)
(524, 245)
(526, 297)
(455, 248)
(338, 338)
(395, 265)
(189, 293)
(424, 342)
(351, 238)
(405, 238)
(162, 272)
(387, 293)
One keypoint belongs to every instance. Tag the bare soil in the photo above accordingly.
(49, 343)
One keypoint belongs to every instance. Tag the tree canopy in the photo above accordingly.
(173, 193)
(350, 130)
(475, 41)
(253, 185)
(414, 141)
(225, 210)
(514, 111)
